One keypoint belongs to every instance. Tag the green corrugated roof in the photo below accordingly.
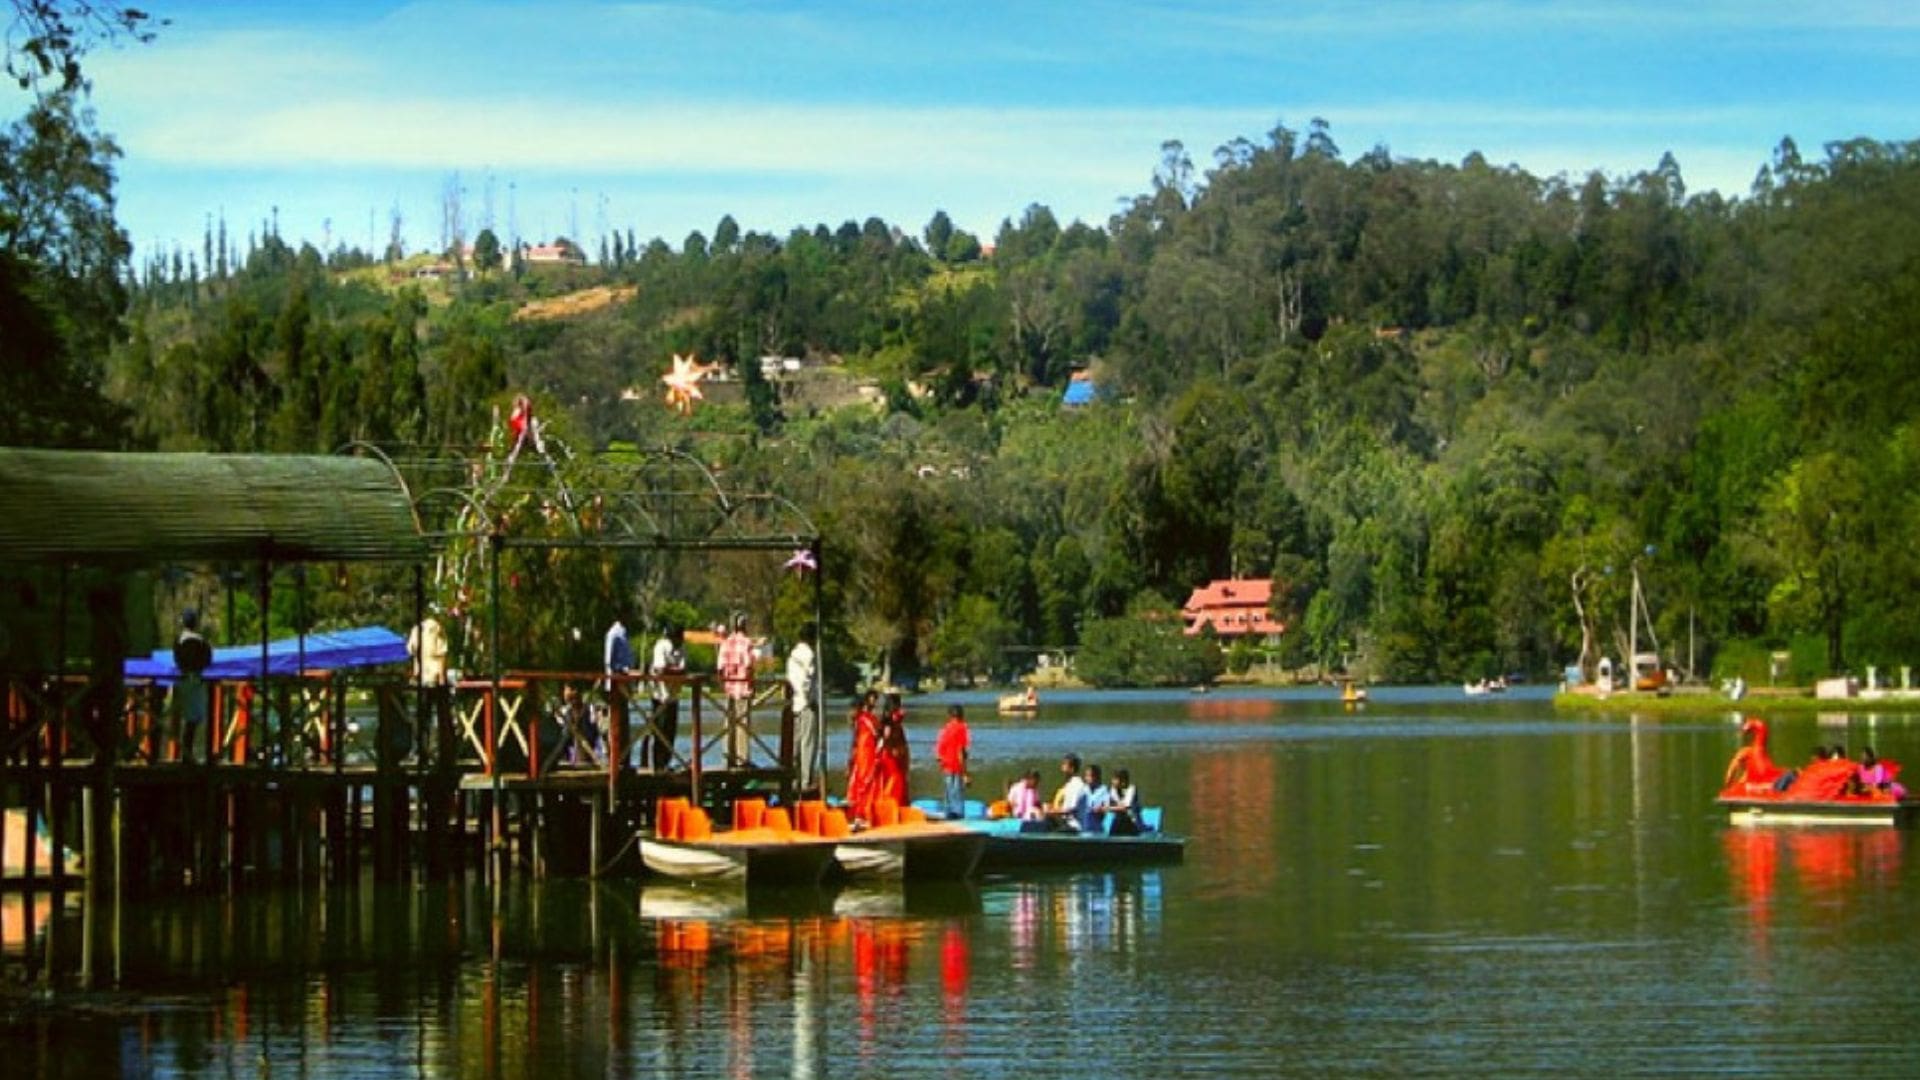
(89, 507)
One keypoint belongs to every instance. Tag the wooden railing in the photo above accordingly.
(587, 720)
(531, 722)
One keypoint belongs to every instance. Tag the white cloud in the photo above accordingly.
(689, 138)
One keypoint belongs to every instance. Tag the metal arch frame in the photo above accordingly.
(628, 523)
(640, 511)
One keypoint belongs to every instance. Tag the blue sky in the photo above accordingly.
(661, 117)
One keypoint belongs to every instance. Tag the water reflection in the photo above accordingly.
(1077, 915)
(1832, 868)
(1415, 891)
(24, 921)
(1825, 864)
(574, 978)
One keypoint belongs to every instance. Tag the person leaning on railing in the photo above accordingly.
(736, 677)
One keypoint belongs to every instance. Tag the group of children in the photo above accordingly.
(1083, 803)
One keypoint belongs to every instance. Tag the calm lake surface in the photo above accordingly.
(1428, 885)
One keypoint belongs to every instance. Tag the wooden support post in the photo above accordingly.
(119, 874)
(536, 828)
(596, 826)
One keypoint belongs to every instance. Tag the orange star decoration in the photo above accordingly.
(683, 383)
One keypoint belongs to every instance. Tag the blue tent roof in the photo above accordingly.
(367, 646)
(1079, 392)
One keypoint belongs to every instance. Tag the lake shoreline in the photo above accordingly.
(1794, 701)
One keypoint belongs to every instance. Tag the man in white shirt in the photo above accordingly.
(1069, 807)
(801, 676)
(669, 658)
(427, 651)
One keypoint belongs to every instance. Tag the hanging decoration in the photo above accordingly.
(683, 383)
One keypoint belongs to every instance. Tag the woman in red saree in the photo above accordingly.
(894, 754)
(863, 763)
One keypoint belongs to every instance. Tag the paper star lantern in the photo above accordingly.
(683, 383)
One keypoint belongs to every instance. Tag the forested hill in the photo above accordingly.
(1438, 402)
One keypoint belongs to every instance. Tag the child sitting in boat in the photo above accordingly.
(1023, 798)
(1873, 776)
(1069, 807)
(1122, 807)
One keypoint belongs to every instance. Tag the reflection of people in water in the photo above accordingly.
(1751, 769)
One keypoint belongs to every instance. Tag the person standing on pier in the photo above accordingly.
(618, 661)
(895, 757)
(863, 760)
(669, 659)
(427, 650)
(953, 747)
(191, 654)
(801, 676)
(736, 676)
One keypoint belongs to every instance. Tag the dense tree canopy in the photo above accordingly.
(1454, 409)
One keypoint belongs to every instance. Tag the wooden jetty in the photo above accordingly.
(319, 775)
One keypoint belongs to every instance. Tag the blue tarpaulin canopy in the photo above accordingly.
(367, 646)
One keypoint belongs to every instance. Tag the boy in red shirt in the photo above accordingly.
(951, 749)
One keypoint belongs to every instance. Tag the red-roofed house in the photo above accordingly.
(1236, 607)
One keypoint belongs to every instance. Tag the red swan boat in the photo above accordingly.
(1827, 792)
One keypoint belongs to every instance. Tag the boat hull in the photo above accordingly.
(1012, 844)
(777, 864)
(1032, 850)
(943, 853)
(1749, 811)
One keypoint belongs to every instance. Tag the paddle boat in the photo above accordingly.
(775, 846)
(905, 843)
(1756, 791)
(1352, 693)
(1026, 701)
(763, 850)
(1014, 844)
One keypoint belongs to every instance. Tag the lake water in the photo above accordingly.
(1427, 885)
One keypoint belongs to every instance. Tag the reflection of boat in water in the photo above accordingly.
(675, 900)
(912, 851)
(1012, 844)
(1026, 701)
(928, 899)
(15, 850)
